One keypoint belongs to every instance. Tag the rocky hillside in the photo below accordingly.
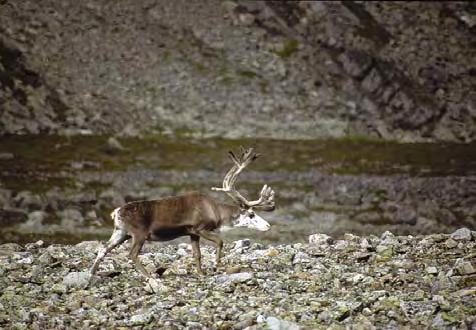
(285, 69)
(390, 282)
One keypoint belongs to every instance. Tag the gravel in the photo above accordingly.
(422, 282)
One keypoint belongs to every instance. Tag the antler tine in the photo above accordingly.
(246, 156)
(233, 158)
(266, 199)
(240, 162)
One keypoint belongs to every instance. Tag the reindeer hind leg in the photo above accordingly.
(137, 243)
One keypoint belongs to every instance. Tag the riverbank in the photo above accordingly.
(364, 282)
(327, 186)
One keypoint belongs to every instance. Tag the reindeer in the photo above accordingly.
(193, 214)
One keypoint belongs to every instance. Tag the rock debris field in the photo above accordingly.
(390, 282)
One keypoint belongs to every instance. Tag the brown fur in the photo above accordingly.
(193, 215)
(172, 217)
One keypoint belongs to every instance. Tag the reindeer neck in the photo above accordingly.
(228, 213)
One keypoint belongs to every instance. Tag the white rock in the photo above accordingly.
(260, 319)
(241, 244)
(365, 244)
(182, 252)
(274, 323)
(320, 239)
(387, 234)
(432, 270)
(27, 260)
(357, 278)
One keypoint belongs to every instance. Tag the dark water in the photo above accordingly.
(331, 186)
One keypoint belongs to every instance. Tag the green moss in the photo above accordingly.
(41, 163)
(289, 47)
(199, 67)
(247, 73)
(263, 85)
(227, 80)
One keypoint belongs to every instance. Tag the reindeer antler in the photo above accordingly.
(246, 156)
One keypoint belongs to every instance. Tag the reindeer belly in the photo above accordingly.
(167, 233)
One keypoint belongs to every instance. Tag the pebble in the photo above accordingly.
(295, 288)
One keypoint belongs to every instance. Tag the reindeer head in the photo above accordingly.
(247, 216)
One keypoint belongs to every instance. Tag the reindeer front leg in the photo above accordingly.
(196, 252)
(217, 240)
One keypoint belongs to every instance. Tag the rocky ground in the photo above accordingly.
(389, 282)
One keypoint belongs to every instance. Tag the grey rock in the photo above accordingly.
(432, 270)
(365, 244)
(237, 277)
(182, 252)
(451, 243)
(155, 286)
(341, 245)
(27, 200)
(35, 221)
(45, 259)
(71, 218)
(438, 322)
(10, 247)
(6, 156)
(5, 197)
(141, 319)
(387, 235)
(464, 267)
(90, 246)
(462, 234)
(77, 280)
(302, 257)
(417, 309)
